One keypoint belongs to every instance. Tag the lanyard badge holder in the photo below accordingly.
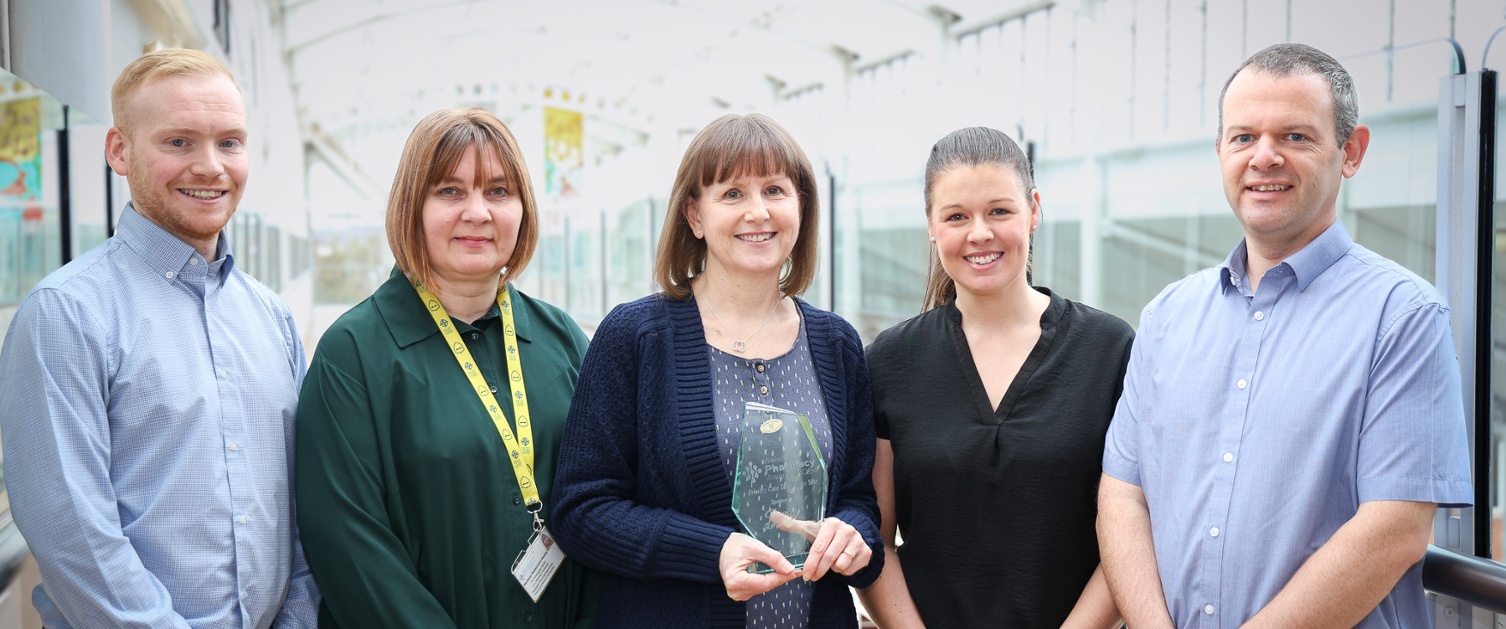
(537, 563)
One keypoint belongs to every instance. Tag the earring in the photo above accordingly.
(1032, 228)
(933, 239)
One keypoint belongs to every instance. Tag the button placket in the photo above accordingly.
(1246, 316)
(761, 378)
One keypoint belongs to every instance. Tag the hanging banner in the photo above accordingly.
(564, 152)
(21, 152)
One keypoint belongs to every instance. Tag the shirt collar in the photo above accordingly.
(1231, 274)
(162, 251)
(1307, 264)
(410, 322)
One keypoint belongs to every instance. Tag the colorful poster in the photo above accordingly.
(21, 152)
(564, 152)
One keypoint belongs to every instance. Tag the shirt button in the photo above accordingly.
(234, 447)
(527, 617)
(193, 262)
(1213, 532)
(475, 335)
(224, 375)
(242, 520)
(1241, 384)
(763, 390)
(759, 367)
(517, 501)
(168, 275)
(1259, 316)
(1228, 457)
(494, 389)
(1208, 609)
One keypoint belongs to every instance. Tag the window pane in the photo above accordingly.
(30, 245)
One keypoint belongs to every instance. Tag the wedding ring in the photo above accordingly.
(850, 554)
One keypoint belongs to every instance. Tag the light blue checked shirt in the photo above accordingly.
(147, 419)
(1256, 423)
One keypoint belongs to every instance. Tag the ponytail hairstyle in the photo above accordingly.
(966, 148)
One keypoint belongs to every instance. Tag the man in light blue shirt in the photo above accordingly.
(150, 388)
(1292, 418)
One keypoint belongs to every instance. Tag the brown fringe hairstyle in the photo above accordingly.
(733, 146)
(963, 148)
(432, 153)
(159, 63)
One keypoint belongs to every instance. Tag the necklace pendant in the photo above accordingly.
(739, 346)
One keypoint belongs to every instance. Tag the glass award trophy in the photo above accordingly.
(780, 473)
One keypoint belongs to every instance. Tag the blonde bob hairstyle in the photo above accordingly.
(160, 63)
(433, 152)
(734, 146)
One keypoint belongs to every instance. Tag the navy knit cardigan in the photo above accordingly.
(640, 491)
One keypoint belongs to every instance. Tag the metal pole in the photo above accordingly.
(65, 193)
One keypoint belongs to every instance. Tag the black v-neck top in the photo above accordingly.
(996, 502)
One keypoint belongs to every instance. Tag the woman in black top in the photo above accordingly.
(991, 409)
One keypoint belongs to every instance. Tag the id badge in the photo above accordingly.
(536, 565)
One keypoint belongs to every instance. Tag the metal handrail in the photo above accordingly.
(1479, 582)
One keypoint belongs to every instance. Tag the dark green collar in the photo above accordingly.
(410, 323)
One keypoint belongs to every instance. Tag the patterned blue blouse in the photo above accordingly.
(786, 381)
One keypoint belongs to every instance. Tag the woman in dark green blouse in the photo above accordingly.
(410, 506)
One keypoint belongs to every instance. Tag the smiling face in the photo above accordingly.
(981, 219)
(471, 221)
(183, 152)
(750, 224)
(1281, 159)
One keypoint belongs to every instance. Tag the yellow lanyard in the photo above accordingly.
(519, 449)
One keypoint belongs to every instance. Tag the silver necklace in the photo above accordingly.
(741, 345)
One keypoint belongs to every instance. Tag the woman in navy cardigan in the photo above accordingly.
(644, 482)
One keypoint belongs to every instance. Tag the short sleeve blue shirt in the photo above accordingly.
(1257, 422)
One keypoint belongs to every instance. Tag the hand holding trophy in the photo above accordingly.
(835, 545)
(781, 476)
